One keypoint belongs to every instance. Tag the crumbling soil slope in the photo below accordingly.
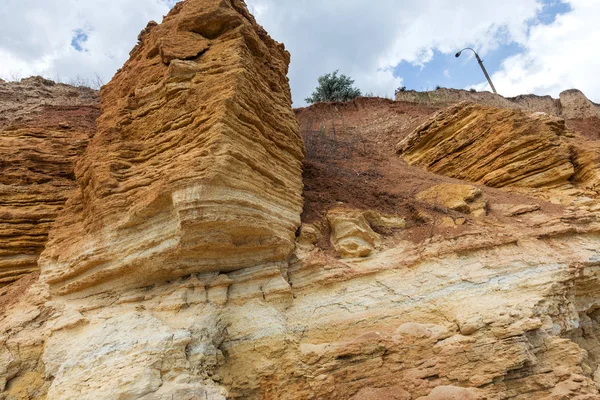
(351, 159)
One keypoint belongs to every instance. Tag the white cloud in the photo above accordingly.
(367, 39)
(556, 57)
(36, 35)
(363, 39)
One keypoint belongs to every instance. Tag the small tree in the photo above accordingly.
(334, 88)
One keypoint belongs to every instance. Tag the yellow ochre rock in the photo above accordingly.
(196, 165)
(492, 146)
(351, 234)
(466, 199)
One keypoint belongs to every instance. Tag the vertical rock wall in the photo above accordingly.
(196, 166)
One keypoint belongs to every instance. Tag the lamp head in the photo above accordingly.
(458, 54)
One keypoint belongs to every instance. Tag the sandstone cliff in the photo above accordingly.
(571, 104)
(402, 282)
(44, 128)
(493, 146)
(196, 166)
(503, 147)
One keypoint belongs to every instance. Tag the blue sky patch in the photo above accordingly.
(553, 8)
(445, 70)
(79, 39)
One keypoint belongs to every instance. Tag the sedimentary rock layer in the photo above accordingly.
(500, 304)
(44, 128)
(571, 104)
(196, 165)
(497, 312)
(492, 146)
(27, 102)
(575, 105)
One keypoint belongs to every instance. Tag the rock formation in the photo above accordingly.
(33, 100)
(44, 128)
(196, 165)
(574, 105)
(463, 198)
(571, 104)
(492, 146)
(176, 270)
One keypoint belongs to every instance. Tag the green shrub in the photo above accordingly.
(334, 87)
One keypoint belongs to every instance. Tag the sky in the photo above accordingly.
(528, 46)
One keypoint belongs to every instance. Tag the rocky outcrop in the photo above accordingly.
(44, 128)
(24, 311)
(196, 166)
(574, 105)
(492, 313)
(352, 230)
(571, 104)
(463, 198)
(351, 234)
(492, 146)
(378, 296)
(28, 102)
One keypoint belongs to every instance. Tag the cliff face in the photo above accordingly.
(196, 166)
(571, 104)
(176, 269)
(492, 146)
(44, 128)
(503, 147)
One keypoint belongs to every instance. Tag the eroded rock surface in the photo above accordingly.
(575, 105)
(571, 104)
(493, 146)
(44, 128)
(463, 198)
(489, 314)
(501, 305)
(196, 166)
(351, 234)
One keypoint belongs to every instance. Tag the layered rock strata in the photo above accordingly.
(493, 146)
(571, 104)
(27, 101)
(491, 313)
(44, 128)
(501, 305)
(196, 166)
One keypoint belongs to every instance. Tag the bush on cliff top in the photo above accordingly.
(334, 87)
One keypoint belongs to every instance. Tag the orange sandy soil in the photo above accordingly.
(356, 164)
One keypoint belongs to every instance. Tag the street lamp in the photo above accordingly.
(481, 65)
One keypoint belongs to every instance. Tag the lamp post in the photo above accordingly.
(481, 65)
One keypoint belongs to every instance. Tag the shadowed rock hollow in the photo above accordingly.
(196, 166)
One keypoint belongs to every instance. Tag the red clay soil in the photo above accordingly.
(351, 159)
(589, 127)
(81, 118)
